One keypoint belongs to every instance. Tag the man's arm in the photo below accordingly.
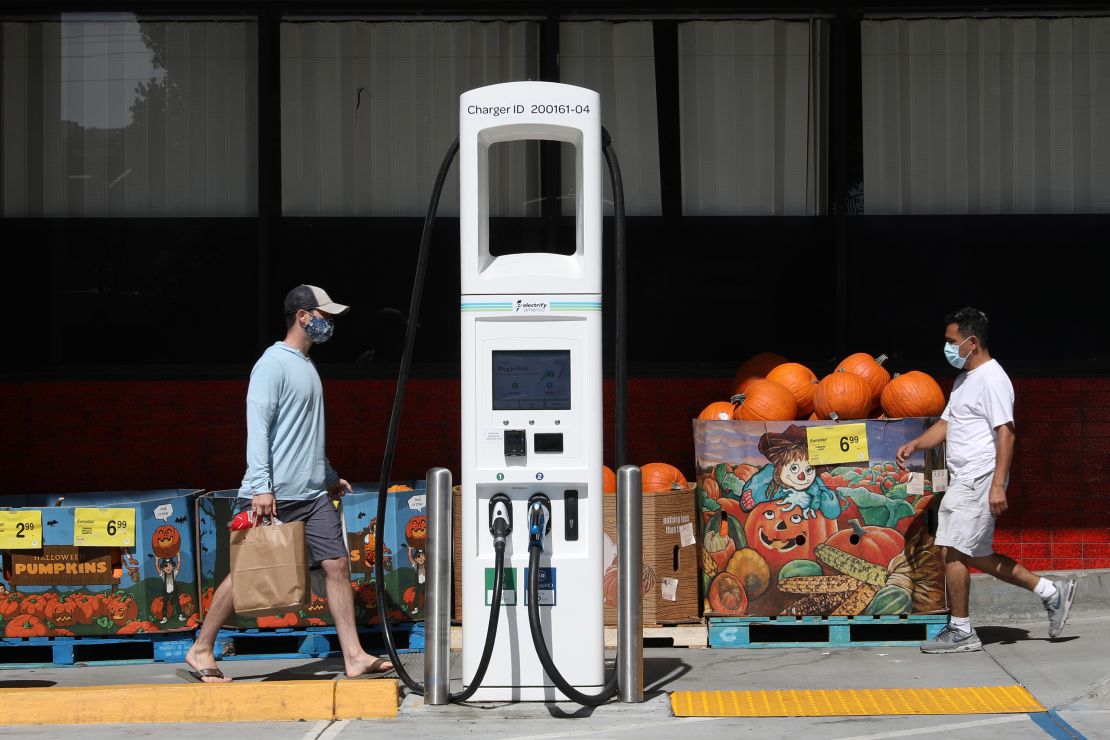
(262, 402)
(929, 439)
(1004, 454)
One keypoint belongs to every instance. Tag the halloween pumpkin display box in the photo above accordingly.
(814, 518)
(405, 545)
(106, 563)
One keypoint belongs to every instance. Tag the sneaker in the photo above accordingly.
(952, 641)
(1059, 606)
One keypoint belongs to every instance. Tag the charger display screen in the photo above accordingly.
(531, 379)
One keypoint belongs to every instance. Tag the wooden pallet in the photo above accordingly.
(155, 647)
(862, 631)
(688, 635)
(310, 642)
(691, 635)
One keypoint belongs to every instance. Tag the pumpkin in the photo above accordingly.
(34, 605)
(912, 394)
(166, 541)
(711, 487)
(316, 606)
(717, 411)
(799, 380)
(137, 627)
(278, 621)
(878, 545)
(782, 536)
(90, 607)
(765, 400)
(8, 608)
(744, 471)
(157, 607)
(416, 532)
(26, 625)
(608, 480)
(206, 598)
(62, 612)
(871, 370)
(842, 395)
(659, 476)
(726, 594)
(122, 608)
(753, 368)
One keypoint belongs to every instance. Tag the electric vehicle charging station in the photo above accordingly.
(532, 404)
(531, 432)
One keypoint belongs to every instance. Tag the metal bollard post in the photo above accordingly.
(630, 605)
(437, 650)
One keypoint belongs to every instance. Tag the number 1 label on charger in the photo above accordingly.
(837, 444)
(104, 527)
(21, 530)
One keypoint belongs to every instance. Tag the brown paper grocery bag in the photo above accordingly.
(269, 569)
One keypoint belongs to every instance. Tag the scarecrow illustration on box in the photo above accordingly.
(789, 477)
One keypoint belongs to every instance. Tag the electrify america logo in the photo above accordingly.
(523, 306)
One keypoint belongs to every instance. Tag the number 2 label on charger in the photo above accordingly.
(104, 527)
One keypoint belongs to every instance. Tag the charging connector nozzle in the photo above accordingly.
(500, 518)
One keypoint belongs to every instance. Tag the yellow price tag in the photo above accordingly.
(104, 527)
(21, 529)
(837, 444)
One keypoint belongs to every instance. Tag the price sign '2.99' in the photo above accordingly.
(104, 527)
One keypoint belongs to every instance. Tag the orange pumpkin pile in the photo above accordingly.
(656, 477)
(767, 387)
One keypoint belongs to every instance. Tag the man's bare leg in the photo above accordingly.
(202, 654)
(957, 580)
(1007, 569)
(341, 603)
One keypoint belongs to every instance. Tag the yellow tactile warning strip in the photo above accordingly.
(230, 702)
(854, 702)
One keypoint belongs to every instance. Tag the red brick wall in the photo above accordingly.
(104, 435)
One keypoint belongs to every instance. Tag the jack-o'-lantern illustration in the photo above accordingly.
(166, 541)
(416, 532)
(782, 535)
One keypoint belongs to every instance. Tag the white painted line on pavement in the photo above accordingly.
(663, 722)
(333, 732)
(941, 728)
(318, 729)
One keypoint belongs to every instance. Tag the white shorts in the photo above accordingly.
(965, 521)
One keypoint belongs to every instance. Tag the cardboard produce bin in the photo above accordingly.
(672, 558)
(106, 563)
(783, 537)
(404, 556)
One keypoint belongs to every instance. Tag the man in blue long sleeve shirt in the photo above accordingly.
(288, 475)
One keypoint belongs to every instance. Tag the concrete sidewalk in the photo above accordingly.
(1070, 675)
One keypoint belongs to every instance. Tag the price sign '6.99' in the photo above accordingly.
(104, 527)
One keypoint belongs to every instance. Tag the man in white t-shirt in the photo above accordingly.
(978, 427)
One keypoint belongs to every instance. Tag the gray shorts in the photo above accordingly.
(965, 522)
(323, 525)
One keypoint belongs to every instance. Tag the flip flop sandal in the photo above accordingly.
(199, 676)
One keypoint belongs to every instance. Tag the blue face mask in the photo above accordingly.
(319, 329)
(952, 354)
